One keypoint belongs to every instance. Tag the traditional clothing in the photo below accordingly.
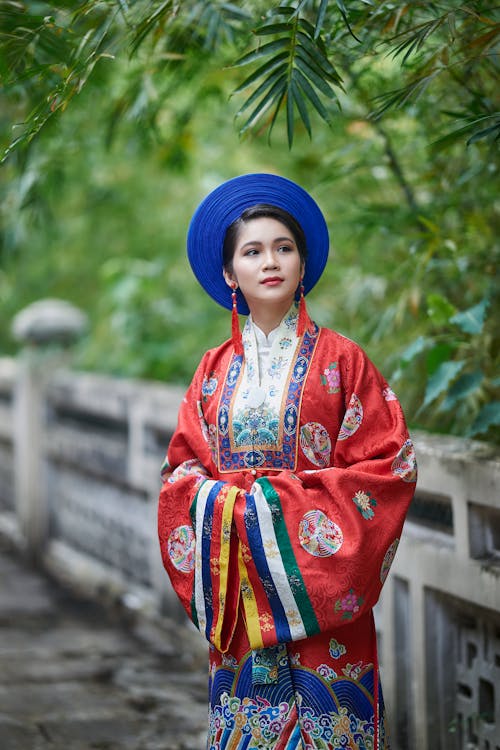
(286, 487)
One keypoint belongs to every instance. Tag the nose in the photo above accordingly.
(270, 259)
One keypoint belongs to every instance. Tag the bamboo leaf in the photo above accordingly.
(318, 42)
(296, 11)
(123, 5)
(317, 54)
(320, 19)
(399, 97)
(315, 64)
(316, 79)
(266, 49)
(308, 28)
(276, 112)
(485, 40)
(312, 96)
(273, 28)
(484, 133)
(415, 41)
(266, 84)
(267, 67)
(236, 10)
(301, 105)
(148, 23)
(452, 25)
(289, 118)
(343, 13)
(212, 30)
(454, 135)
(266, 101)
(284, 10)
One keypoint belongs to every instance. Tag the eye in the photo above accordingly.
(251, 251)
(285, 249)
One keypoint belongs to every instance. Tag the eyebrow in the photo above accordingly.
(276, 239)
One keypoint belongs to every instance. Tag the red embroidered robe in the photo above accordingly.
(278, 522)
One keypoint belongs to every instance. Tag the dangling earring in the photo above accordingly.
(235, 323)
(302, 320)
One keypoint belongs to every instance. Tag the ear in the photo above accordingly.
(230, 279)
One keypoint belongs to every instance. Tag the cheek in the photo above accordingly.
(242, 270)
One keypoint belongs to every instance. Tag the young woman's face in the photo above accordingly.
(266, 264)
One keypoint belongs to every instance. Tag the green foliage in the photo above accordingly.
(49, 51)
(117, 117)
(296, 71)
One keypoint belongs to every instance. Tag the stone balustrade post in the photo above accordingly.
(45, 329)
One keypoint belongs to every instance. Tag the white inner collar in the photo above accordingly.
(267, 362)
(263, 340)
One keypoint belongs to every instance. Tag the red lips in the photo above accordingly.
(272, 280)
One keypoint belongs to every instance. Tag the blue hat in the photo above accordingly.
(225, 204)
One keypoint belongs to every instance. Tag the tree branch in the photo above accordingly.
(397, 169)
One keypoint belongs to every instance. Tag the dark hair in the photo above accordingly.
(259, 211)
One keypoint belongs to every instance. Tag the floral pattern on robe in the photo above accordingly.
(279, 518)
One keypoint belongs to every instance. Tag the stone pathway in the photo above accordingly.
(75, 676)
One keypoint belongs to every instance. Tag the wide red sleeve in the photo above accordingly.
(319, 543)
(197, 543)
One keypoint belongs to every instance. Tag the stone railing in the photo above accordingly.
(79, 480)
(439, 615)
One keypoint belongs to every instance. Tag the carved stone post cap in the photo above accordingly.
(49, 321)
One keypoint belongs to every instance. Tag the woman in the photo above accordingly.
(285, 487)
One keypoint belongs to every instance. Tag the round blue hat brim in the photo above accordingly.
(225, 204)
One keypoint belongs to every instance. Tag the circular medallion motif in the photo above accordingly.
(223, 420)
(405, 463)
(300, 369)
(180, 548)
(254, 458)
(387, 561)
(290, 419)
(319, 535)
(234, 372)
(316, 444)
(352, 418)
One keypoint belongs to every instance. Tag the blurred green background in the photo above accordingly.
(117, 118)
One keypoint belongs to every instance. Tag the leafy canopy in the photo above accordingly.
(116, 116)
